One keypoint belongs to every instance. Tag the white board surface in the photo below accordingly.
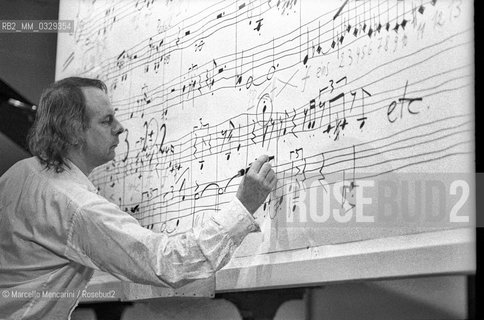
(367, 107)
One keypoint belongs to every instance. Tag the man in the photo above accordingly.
(55, 229)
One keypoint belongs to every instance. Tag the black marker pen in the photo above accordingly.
(244, 171)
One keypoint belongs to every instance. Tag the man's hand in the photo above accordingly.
(257, 183)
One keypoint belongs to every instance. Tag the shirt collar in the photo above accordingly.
(76, 173)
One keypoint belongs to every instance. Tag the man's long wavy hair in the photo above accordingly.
(60, 121)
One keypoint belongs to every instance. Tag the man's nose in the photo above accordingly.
(118, 129)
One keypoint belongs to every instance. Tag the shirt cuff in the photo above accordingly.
(237, 221)
(254, 224)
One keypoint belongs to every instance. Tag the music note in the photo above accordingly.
(123, 63)
(227, 135)
(108, 19)
(306, 57)
(343, 104)
(239, 71)
(310, 115)
(349, 191)
(363, 118)
(210, 75)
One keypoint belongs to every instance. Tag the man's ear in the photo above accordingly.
(77, 142)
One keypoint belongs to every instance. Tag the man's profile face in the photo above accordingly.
(102, 136)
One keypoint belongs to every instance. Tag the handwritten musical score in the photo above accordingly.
(337, 91)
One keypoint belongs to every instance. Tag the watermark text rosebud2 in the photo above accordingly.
(391, 200)
(336, 200)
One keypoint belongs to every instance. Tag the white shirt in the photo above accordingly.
(55, 230)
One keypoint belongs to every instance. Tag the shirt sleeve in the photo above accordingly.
(105, 238)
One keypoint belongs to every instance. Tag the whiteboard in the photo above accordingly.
(366, 106)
